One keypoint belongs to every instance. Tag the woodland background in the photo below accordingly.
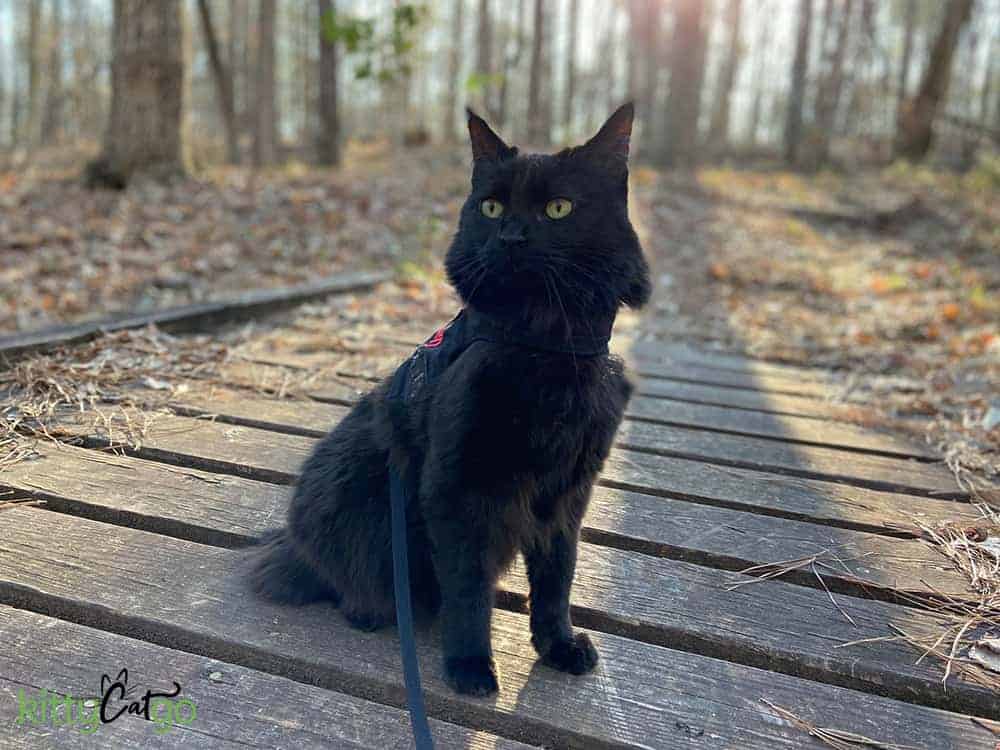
(814, 180)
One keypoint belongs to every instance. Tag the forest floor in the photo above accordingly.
(893, 273)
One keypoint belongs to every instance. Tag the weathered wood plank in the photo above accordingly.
(788, 428)
(680, 353)
(187, 318)
(235, 707)
(691, 373)
(217, 509)
(232, 511)
(778, 427)
(306, 350)
(877, 472)
(329, 382)
(623, 704)
(774, 494)
(777, 403)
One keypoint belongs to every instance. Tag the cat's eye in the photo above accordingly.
(558, 208)
(491, 208)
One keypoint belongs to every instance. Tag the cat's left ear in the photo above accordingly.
(485, 143)
(611, 143)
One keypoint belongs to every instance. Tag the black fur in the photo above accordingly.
(506, 445)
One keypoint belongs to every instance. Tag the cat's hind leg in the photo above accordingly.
(280, 575)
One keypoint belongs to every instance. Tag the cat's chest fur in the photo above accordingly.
(526, 423)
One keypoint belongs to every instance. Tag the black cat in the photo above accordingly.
(502, 449)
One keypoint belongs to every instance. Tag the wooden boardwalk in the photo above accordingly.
(134, 558)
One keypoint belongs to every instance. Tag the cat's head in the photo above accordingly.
(549, 231)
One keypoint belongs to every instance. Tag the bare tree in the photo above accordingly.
(3, 83)
(265, 135)
(328, 140)
(52, 113)
(678, 144)
(147, 84)
(539, 104)
(915, 121)
(484, 62)
(573, 22)
(511, 63)
(454, 69)
(909, 29)
(718, 131)
(796, 97)
(762, 47)
(831, 87)
(223, 83)
(34, 69)
(644, 30)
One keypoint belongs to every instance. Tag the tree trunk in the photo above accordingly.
(147, 86)
(265, 136)
(511, 64)
(762, 46)
(987, 92)
(683, 106)
(573, 22)
(34, 69)
(718, 131)
(539, 104)
(644, 29)
(915, 122)
(223, 83)
(328, 142)
(3, 84)
(454, 69)
(828, 98)
(904, 65)
(484, 60)
(52, 114)
(796, 97)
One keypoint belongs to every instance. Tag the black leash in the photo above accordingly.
(404, 615)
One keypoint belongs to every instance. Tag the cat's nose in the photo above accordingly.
(512, 233)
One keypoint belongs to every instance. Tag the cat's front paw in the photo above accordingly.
(476, 675)
(576, 656)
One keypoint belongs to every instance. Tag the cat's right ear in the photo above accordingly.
(485, 143)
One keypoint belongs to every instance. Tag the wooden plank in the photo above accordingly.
(774, 494)
(235, 707)
(876, 472)
(658, 360)
(260, 454)
(778, 427)
(789, 428)
(232, 511)
(622, 704)
(691, 373)
(681, 353)
(217, 509)
(187, 318)
(777, 403)
(324, 381)
(311, 350)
